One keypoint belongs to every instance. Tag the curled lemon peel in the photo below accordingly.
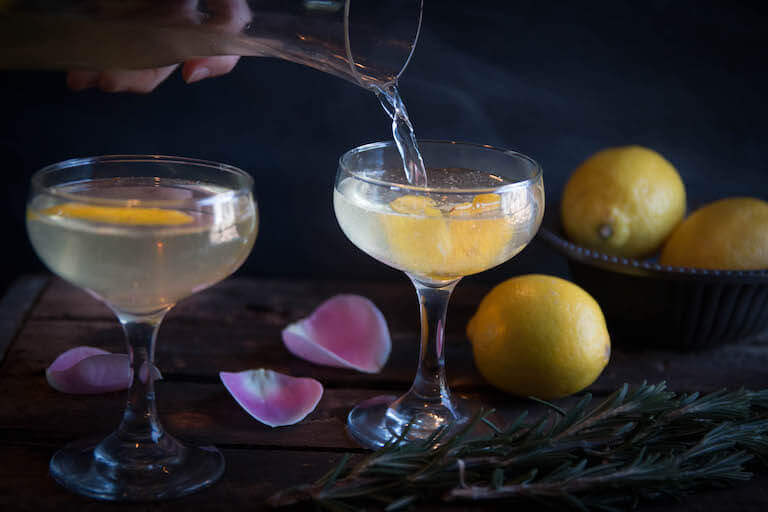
(134, 216)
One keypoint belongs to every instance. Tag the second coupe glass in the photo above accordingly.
(482, 206)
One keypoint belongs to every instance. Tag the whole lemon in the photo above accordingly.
(538, 335)
(623, 201)
(729, 234)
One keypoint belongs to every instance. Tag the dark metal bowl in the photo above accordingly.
(647, 304)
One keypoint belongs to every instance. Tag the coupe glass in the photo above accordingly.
(482, 206)
(140, 233)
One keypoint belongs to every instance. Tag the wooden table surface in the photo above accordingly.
(236, 326)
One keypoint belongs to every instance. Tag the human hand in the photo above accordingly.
(228, 16)
(146, 80)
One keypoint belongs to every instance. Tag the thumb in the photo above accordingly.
(197, 69)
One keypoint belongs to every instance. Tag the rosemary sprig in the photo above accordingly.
(639, 443)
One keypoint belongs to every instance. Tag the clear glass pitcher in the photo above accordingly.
(368, 42)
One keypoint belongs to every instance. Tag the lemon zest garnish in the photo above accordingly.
(134, 216)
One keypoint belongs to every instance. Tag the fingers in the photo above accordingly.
(197, 69)
(146, 80)
(138, 81)
(227, 15)
(141, 80)
(79, 80)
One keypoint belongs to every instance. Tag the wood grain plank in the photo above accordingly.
(277, 302)
(203, 413)
(251, 476)
(254, 475)
(190, 351)
(236, 325)
(15, 305)
(270, 302)
(200, 412)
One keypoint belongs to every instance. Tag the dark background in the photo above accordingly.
(555, 80)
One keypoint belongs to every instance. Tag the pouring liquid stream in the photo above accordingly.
(405, 139)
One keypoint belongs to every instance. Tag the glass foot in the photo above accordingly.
(375, 422)
(159, 471)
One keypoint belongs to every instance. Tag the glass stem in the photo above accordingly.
(140, 422)
(430, 384)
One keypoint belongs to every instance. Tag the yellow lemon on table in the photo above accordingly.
(729, 234)
(623, 201)
(538, 335)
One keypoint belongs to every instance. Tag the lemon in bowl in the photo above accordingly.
(624, 201)
(729, 234)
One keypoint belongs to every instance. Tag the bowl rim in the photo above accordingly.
(640, 267)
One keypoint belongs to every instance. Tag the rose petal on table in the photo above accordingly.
(271, 397)
(98, 373)
(91, 370)
(346, 331)
(71, 357)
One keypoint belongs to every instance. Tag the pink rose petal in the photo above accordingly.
(94, 374)
(273, 398)
(346, 331)
(90, 370)
(71, 357)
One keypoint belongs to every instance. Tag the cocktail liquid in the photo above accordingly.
(142, 259)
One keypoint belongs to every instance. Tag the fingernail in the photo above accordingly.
(198, 75)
